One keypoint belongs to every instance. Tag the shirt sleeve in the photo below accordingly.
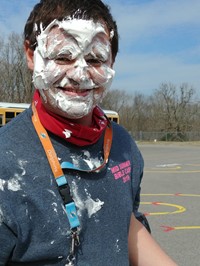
(137, 199)
(140, 216)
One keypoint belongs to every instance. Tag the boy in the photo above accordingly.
(70, 181)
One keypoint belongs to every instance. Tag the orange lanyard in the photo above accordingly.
(61, 179)
(47, 145)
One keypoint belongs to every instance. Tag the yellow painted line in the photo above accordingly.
(177, 195)
(189, 195)
(179, 207)
(186, 227)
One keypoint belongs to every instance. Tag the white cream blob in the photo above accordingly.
(92, 206)
(72, 65)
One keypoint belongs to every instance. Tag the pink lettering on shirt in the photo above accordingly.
(122, 171)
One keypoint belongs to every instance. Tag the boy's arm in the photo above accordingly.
(143, 249)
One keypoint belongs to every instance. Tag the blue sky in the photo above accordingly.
(159, 40)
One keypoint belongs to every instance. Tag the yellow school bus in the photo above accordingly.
(11, 110)
(112, 115)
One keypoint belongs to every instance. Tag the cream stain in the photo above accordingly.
(92, 163)
(67, 133)
(92, 206)
(14, 184)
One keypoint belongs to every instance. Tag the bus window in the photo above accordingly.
(115, 120)
(9, 116)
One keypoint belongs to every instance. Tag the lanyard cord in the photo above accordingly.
(62, 183)
(61, 180)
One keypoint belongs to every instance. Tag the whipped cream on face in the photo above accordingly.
(65, 60)
(74, 106)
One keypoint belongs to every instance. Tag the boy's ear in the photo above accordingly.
(29, 55)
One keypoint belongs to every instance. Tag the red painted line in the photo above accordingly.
(167, 228)
(178, 194)
(156, 203)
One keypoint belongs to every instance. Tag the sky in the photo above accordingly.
(159, 41)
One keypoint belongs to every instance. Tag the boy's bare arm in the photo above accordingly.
(143, 249)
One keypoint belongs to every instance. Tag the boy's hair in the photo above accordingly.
(48, 10)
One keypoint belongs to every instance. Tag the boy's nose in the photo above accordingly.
(80, 75)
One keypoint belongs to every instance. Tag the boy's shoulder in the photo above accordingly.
(122, 133)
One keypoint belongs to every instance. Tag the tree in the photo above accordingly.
(15, 78)
(174, 106)
(115, 100)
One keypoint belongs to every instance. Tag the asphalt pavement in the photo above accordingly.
(171, 198)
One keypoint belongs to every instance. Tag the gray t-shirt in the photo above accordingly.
(34, 229)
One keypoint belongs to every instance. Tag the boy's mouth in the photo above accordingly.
(75, 92)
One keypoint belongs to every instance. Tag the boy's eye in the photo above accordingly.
(63, 59)
(95, 61)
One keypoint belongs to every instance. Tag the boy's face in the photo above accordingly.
(72, 66)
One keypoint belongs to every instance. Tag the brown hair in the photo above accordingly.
(48, 10)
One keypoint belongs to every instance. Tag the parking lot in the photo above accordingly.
(171, 198)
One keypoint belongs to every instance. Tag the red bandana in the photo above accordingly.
(73, 133)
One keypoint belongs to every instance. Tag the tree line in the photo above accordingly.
(170, 108)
